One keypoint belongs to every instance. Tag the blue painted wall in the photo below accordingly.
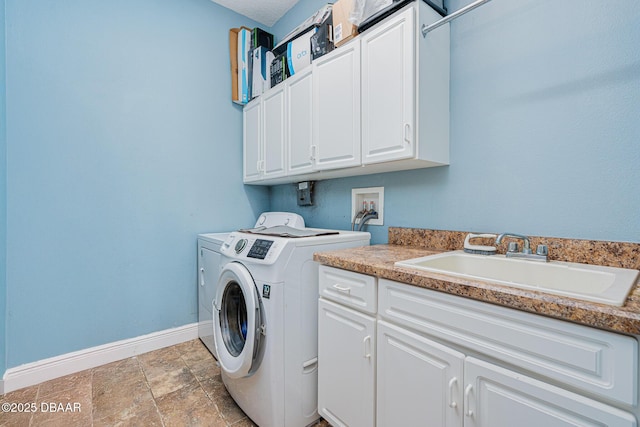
(545, 102)
(122, 145)
(3, 194)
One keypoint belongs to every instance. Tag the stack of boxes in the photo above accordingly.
(250, 54)
(257, 65)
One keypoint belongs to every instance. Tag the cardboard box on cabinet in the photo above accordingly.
(261, 59)
(299, 52)
(322, 40)
(343, 29)
(279, 69)
(233, 55)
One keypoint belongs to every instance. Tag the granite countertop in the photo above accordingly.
(378, 260)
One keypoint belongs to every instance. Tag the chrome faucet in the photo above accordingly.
(512, 252)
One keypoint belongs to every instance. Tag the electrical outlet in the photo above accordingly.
(305, 192)
(372, 194)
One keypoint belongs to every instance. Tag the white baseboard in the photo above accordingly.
(47, 369)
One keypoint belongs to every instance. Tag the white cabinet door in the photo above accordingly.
(419, 381)
(497, 397)
(346, 366)
(274, 133)
(299, 122)
(336, 108)
(252, 141)
(389, 90)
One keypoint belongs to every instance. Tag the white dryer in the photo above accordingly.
(208, 272)
(266, 320)
(209, 268)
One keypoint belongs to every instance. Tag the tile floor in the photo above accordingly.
(174, 386)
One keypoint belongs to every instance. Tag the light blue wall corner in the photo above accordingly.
(122, 145)
(544, 129)
(3, 195)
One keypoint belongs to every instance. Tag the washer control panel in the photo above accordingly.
(260, 248)
(245, 246)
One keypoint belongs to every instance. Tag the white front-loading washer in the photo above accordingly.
(266, 321)
(209, 268)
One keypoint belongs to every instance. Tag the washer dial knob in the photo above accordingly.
(240, 245)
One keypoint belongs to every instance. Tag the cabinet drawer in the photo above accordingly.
(595, 361)
(351, 289)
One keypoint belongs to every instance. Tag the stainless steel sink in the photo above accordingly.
(606, 285)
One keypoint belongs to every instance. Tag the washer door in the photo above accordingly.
(238, 322)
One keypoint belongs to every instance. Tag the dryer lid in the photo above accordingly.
(271, 219)
(286, 231)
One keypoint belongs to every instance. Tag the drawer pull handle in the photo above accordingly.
(467, 392)
(343, 289)
(310, 365)
(452, 403)
(367, 355)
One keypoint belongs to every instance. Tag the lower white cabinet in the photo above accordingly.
(419, 380)
(346, 366)
(498, 397)
(445, 361)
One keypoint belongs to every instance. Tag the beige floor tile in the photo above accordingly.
(166, 372)
(20, 398)
(229, 409)
(244, 422)
(205, 369)
(175, 386)
(78, 381)
(118, 373)
(147, 417)
(213, 387)
(27, 394)
(17, 419)
(194, 352)
(121, 402)
(189, 406)
(70, 407)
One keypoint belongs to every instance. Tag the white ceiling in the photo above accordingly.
(266, 12)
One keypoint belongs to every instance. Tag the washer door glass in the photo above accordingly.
(233, 319)
(238, 322)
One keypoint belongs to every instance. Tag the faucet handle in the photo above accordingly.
(512, 247)
(542, 250)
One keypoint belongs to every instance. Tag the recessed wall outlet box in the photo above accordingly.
(362, 196)
(305, 191)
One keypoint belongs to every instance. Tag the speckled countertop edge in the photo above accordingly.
(378, 260)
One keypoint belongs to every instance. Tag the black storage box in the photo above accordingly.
(279, 69)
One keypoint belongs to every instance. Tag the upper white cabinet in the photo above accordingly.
(378, 103)
(388, 90)
(264, 137)
(299, 95)
(336, 108)
(252, 140)
(273, 111)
